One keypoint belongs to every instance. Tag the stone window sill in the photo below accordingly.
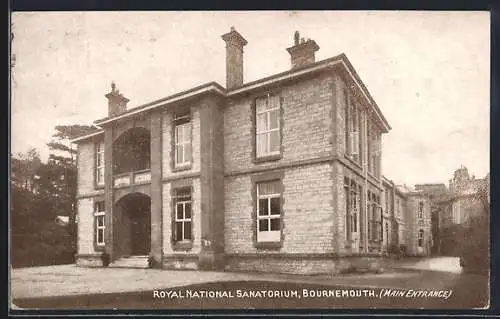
(183, 245)
(267, 158)
(268, 245)
(181, 168)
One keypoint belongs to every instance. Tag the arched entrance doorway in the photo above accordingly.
(133, 225)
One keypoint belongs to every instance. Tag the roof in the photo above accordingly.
(387, 181)
(339, 60)
(201, 89)
(87, 136)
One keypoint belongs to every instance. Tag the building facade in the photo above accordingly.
(281, 174)
(454, 207)
(407, 221)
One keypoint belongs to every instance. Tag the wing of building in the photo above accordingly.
(280, 174)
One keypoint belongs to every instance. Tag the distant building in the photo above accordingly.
(469, 195)
(454, 206)
(408, 219)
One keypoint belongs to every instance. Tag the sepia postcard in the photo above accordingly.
(250, 160)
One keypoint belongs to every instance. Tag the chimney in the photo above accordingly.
(302, 52)
(117, 103)
(234, 58)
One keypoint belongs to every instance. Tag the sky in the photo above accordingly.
(429, 72)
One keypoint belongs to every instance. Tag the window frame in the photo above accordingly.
(176, 187)
(375, 219)
(269, 216)
(181, 118)
(185, 201)
(99, 158)
(277, 177)
(420, 210)
(99, 214)
(270, 156)
(353, 124)
(420, 239)
(352, 205)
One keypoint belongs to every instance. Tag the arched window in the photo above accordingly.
(421, 210)
(421, 238)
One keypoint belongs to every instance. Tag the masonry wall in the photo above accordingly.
(85, 168)
(414, 225)
(306, 125)
(400, 232)
(388, 213)
(307, 209)
(167, 141)
(181, 259)
(85, 226)
(307, 175)
(86, 194)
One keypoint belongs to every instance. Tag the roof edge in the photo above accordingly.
(200, 89)
(214, 86)
(78, 139)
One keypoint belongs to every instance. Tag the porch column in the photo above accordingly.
(108, 191)
(156, 189)
(212, 183)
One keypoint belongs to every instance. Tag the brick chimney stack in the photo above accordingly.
(234, 58)
(302, 52)
(117, 103)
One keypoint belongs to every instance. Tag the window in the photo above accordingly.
(99, 216)
(269, 211)
(352, 129)
(352, 204)
(398, 207)
(387, 233)
(99, 161)
(354, 198)
(421, 238)
(374, 218)
(374, 149)
(267, 131)
(183, 215)
(376, 154)
(420, 210)
(182, 138)
(387, 201)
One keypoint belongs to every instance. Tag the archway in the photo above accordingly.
(131, 151)
(133, 225)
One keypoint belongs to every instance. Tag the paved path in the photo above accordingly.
(444, 264)
(64, 280)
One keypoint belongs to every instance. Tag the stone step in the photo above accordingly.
(130, 262)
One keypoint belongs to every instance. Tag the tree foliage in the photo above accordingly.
(40, 193)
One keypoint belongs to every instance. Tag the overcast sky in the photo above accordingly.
(428, 71)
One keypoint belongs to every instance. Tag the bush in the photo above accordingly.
(105, 258)
(474, 252)
(404, 251)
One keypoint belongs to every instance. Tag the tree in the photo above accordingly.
(41, 192)
(24, 169)
(60, 176)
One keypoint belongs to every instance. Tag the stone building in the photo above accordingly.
(455, 206)
(469, 194)
(408, 220)
(279, 174)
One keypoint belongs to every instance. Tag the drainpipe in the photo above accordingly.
(365, 244)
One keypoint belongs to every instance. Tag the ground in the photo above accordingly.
(72, 287)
